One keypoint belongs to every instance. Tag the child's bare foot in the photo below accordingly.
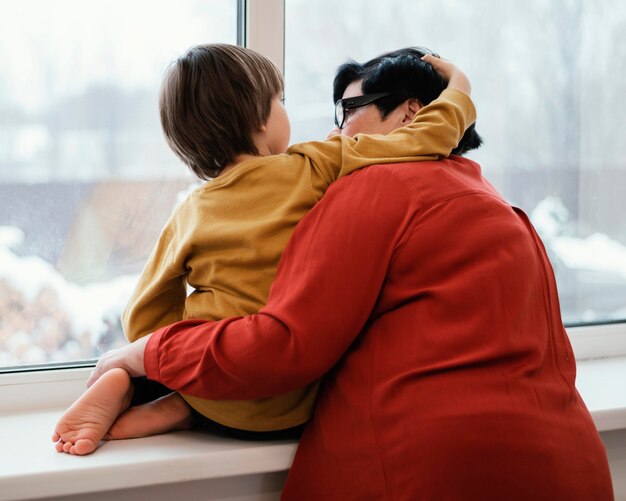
(167, 413)
(84, 424)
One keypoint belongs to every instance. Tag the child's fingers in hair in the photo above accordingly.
(442, 66)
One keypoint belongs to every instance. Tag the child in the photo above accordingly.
(222, 114)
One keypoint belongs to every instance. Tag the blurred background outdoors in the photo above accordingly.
(87, 180)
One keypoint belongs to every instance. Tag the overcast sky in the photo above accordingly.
(49, 49)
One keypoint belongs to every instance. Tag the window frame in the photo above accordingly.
(256, 28)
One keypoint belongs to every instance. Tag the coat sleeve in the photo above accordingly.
(327, 284)
(433, 134)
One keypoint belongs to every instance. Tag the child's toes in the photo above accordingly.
(67, 446)
(82, 447)
(59, 446)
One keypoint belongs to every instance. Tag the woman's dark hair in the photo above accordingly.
(404, 75)
(213, 99)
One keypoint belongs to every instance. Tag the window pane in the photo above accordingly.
(86, 178)
(548, 79)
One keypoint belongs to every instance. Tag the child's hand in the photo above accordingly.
(450, 73)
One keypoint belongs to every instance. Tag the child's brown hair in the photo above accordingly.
(213, 99)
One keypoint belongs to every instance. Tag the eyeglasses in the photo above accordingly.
(350, 103)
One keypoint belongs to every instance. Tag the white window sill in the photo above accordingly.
(31, 468)
(602, 384)
(218, 468)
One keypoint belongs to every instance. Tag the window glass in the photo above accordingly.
(549, 79)
(86, 178)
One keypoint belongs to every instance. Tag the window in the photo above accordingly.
(86, 178)
(549, 79)
(87, 181)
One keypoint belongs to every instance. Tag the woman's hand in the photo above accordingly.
(450, 73)
(129, 358)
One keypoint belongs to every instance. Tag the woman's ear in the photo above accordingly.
(410, 108)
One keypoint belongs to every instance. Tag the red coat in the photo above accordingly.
(433, 305)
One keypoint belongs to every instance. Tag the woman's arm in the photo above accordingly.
(328, 282)
(327, 285)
